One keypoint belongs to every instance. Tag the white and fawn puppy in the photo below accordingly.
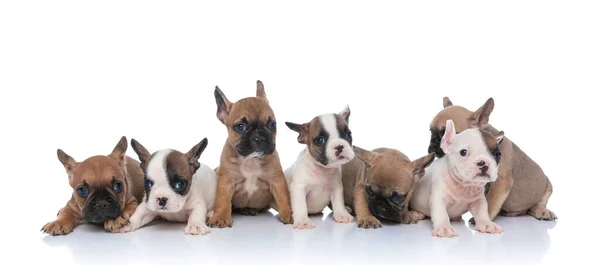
(315, 179)
(178, 188)
(455, 183)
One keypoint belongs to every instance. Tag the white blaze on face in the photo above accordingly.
(466, 167)
(161, 189)
(329, 123)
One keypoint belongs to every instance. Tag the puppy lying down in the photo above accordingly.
(455, 183)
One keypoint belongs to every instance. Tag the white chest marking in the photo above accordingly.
(251, 170)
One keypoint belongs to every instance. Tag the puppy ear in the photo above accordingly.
(302, 129)
(68, 162)
(194, 154)
(448, 136)
(366, 156)
(223, 105)
(500, 137)
(260, 90)
(421, 164)
(118, 152)
(141, 151)
(447, 102)
(346, 113)
(481, 117)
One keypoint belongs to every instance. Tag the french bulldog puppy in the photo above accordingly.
(106, 191)
(522, 186)
(455, 183)
(315, 179)
(249, 176)
(379, 184)
(178, 188)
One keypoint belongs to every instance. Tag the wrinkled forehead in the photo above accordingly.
(327, 124)
(98, 170)
(391, 176)
(166, 164)
(459, 115)
(471, 138)
(252, 109)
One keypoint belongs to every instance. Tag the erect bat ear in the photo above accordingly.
(68, 162)
(260, 90)
(223, 104)
(301, 129)
(481, 117)
(141, 151)
(345, 113)
(448, 136)
(420, 164)
(500, 137)
(447, 102)
(366, 156)
(194, 154)
(118, 152)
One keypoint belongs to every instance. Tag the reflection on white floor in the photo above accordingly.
(263, 240)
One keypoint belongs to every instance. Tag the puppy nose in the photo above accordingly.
(257, 139)
(339, 148)
(481, 163)
(484, 169)
(162, 201)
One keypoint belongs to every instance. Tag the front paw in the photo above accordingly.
(125, 229)
(446, 230)
(303, 223)
(412, 217)
(197, 229)
(114, 225)
(369, 222)
(488, 227)
(344, 218)
(220, 221)
(285, 217)
(58, 227)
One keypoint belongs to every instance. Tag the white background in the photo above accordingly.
(78, 75)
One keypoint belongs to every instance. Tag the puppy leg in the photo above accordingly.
(196, 222)
(114, 225)
(140, 218)
(281, 193)
(222, 215)
(482, 219)
(412, 217)
(67, 219)
(497, 195)
(440, 219)
(364, 217)
(539, 210)
(299, 208)
(340, 214)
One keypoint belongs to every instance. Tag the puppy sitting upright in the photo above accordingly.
(178, 188)
(455, 183)
(316, 178)
(249, 176)
(106, 190)
(380, 184)
(522, 186)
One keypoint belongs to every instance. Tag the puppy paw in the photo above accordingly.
(444, 231)
(248, 211)
(125, 229)
(58, 227)
(286, 218)
(488, 227)
(303, 223)
(114, 225)
(220, 222)
(412, 217)
(369, 222)
(196, 229)
(344, 218)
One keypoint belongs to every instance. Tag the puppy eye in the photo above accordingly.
(147, 184)
(397, 198)
(82, 191)
(497, 156)
(464, 152)
(349, 135)
(272, 126)
(118, 187)
(179, 185)
(319, 140)
(240, 127)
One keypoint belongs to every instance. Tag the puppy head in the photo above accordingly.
(100, 186)
(473, 155)
(390, 182)
(250, 123)
(327, 137)
(168, 175)
(463, 119)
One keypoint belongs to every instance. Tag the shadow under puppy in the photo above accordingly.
(315, 179)
(178, 188)
(106, 191)
(380, 184)
(249, 176)
(522, 186)
(455, 183)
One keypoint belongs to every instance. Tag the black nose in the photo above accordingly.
(481, 163)
(484, 169)
(162, 201)
(101, 205)
(339, 149)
